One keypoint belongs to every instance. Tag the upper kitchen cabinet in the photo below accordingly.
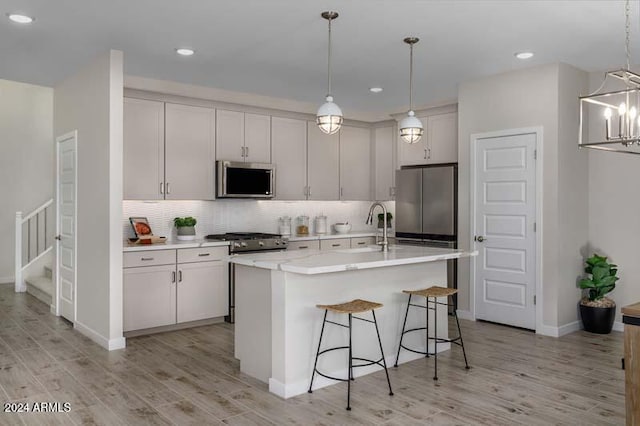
(355, 163)
(323, 173)
(289, 154)
(143, 149)
(243, 137)
(439, 143)
(190, 152)
(384, 167)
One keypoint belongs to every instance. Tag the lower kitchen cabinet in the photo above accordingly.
(362, 241)
(149, 297)
(202, 291)
(172, 293)
(304, 245)
(335, 244)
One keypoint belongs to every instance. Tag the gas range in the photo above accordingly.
(243, 242)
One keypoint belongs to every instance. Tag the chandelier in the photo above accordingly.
(615, 112)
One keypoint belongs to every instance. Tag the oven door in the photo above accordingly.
(245, 180)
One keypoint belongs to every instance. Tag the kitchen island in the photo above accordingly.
(278, 324)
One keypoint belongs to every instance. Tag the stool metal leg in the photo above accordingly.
(435, 335)
(350, 368)
(404, 325)
(384, 361)
(315, 364)
(426, 332)
(464, 353)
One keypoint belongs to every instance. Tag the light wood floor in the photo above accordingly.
(191, 377)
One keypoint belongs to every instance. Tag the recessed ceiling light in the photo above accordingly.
(524, 55)
(20, 19)
(185, 52)
(375, 89)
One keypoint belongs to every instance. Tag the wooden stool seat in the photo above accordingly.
(434, 291)
(354, 307)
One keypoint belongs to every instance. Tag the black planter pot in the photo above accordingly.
(597, 320)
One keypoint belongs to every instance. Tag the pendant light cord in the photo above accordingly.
(627, 12)
(329, 63)
(411, 77)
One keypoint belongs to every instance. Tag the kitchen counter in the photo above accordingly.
(352, 234)
(171, 245)
(276, 298)
(322, 262)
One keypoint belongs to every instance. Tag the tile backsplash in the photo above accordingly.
(217, 217)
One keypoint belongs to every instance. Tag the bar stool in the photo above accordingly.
(428, 293)
(354, 307)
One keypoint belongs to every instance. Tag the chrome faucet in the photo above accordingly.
(385, 241)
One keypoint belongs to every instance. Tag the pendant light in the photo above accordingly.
(411, 127)
(329, 117)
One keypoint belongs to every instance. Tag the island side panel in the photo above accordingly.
(252, 328)
(297, 321)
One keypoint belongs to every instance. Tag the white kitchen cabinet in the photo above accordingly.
(439, 143)
(304, 245)
(149, 297)
(243, 137)
(323, 173)
(355, 163)
(362, 241)
(289, 154)
(190, 153)
(335, 244)
(202, 291)
(384, 167)
(143, 153)
(443, 138)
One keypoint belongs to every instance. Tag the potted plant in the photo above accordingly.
(186, 228)
(381, 220)
(596, 310)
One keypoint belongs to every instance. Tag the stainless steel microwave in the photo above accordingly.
(245, 180)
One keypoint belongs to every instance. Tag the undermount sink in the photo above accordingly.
(367, 249)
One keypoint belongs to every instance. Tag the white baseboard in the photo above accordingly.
(466, 315)
(618, 326)
(7, 280)
(551, 331)
(108, 344)
(290, 390)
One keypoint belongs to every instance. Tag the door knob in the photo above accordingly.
(59, 237)
(479, 238)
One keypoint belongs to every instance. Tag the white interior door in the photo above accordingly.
(66, 226)
(505, 211)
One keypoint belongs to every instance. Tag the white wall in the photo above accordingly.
(91, 101)
(614, 210)
(530, 98)
(26, 163)
(215, 217)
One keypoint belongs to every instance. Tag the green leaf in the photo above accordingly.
(599, 272)
(586, 283)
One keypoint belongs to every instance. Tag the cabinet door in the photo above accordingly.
(335, 244)
(149, 297)
(415, 153)
(203, 291)
(289, 154)
(229, 135)
(384, 170)
(362, 241)
(323, 173)
(355, 163)
(304, 245)
(257, 138)
(190, 153)
(143, 149)
(443, 138)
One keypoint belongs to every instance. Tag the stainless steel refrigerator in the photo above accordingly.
(427, 209)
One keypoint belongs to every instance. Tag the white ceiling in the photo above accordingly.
(278, 47)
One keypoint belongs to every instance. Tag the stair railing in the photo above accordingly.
(35, 249)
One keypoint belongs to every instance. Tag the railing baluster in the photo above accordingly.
(37, 234)
(29, 240)
(45, 228)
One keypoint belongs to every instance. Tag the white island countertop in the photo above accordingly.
(172, 245)
(322, 262)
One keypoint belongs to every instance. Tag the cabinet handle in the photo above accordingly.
(168, 188)
(246, 151)
(179, 276)
(204, 254)
(429, 153)
(361, 243)
(173, 276)
(303, 247)
(242, 151)
(309, 191)
(425, 153)
(336, 245)
(162, 188)
(341, 191)
(144, 259)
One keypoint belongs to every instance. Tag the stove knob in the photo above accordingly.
(236, 244)
(261, 243)
(243, 244)
(277, 242)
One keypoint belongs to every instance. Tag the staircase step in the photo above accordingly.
(41, 288)
(48, 272)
